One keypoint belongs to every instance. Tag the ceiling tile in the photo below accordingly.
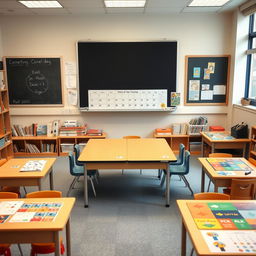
(167, 3)
(86, 10)
(164, 10)
(24, 11)
(54, 11)
(201, 9)
(82, 4)
(124, 10)
(11, 4)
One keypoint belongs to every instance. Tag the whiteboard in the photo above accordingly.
(127, 99)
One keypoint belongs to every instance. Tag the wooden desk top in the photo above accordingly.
(149, 150)
(195, 233)
(11, 169)
(169, 136)
(204, 135)
(239, 174)
(127, 150)
(58, 224)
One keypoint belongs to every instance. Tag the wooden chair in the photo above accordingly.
(213, 155)
(242, 189)
(211, 196)
(45, 248)
(131, 137)
(5, 248)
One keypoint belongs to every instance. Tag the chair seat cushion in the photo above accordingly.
(79, 171)
(46, 248)
(177, 169)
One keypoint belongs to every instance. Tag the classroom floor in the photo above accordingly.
(128, 217)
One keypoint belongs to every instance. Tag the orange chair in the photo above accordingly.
(217, 155)
(45, 248)
(131, 137)
(242, 189)
(11, 189)
(211, 196)
(5, 248)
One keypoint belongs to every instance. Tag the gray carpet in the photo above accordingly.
(128, 217)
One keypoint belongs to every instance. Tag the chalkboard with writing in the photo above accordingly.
(34, 80)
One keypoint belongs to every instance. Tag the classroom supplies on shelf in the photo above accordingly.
(33, 165)
(216, 128)
(94, 132)
(163, 131)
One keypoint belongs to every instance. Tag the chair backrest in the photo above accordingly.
(181, 154)
(211, 196)
(186, 162)
(243, 189)
(131, 137)
(44, 194)
(220, 155)
(252, 161)
(7, 195)
(77, 154)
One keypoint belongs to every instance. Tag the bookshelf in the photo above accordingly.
(252, 153)
(6, 147)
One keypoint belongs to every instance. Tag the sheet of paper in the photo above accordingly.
(219, 89)
(22, 217)
(70, 81)
(10, 207)
(70, 68)
(72, 97)
(194, 87)
(33, 165)
(230, 241)
(207, 95)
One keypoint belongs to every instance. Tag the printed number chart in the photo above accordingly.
(127, 99)
(18, 211)
(227, 166)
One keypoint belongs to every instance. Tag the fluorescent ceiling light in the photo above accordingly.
(41, 4)
(207, 3)
(125, 3)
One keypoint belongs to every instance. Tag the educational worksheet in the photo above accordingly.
(33, 165)
(127, 99)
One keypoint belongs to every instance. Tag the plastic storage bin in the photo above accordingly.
(67, 147)
(196, 129)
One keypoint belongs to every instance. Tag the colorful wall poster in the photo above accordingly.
(207, 74)
(196, 72)
(211, 67)
(175, 98)
(194, 89)
(205, 87)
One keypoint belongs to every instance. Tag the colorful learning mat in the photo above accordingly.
(227, 216)
(228, 164)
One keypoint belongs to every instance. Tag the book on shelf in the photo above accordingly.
(176, 128)
(73, 130)
(94, 132)
(41, 130)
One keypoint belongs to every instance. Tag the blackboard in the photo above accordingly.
(34, 80)
(126, 66)
(207, 80)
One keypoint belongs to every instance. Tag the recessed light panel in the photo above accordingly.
(41, 4)
(207, 3)
(124, 3)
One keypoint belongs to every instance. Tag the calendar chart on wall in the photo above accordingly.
(127, 99)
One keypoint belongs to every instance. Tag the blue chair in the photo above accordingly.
(182, 170)
(78, 171)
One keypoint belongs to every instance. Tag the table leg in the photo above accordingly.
(213, 148)
(167, 185)
(85, 188)
(68, 241)
(57, 243)
(244, 150)
(215, 188)
(39, 185)
(202, 148)
(202, 180)
(183, 239)
(51, 179)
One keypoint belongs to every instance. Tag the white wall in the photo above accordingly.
(197, 34)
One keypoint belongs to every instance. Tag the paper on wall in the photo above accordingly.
(70, 68)
(219, 89)
(70, 81)
(207, 95)
(72, 97)
(194, 86)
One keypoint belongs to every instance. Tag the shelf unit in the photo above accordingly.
(47, 146)
(6, 147)
(72, 140)
(252, 153)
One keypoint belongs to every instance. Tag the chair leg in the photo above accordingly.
(192, 252)
(94, 192)
(25, 190)
(159, 174)
(71, 185)
(187, 183)
(123, 172)
(98, 174)
(96, 178)
(209, 184)
(21, 253)
(140, 172)
(163, 180)
(181, 179)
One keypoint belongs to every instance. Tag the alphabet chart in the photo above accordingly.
(127, 99)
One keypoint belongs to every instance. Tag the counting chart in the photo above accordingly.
(127, 99)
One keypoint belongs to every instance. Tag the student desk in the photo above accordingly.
(223, 143)
(40, 232)
(220, 180)
(10, 174)
(127, 154)
(189, 225)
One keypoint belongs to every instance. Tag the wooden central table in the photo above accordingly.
(189, 225)
(223, 143)
(127, 154)
(220, 180)
(40, 232)
(10, 174)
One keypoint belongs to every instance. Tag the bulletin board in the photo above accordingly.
(207, 80)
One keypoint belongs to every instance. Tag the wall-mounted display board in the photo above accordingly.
(207, 80)
(34, 80)
(125, 68)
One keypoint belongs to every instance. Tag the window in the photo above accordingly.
(250, 87)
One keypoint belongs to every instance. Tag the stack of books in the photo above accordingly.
(94, 132)
(73, 131)
(163, 131)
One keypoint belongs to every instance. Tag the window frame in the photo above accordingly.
(251, 36)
